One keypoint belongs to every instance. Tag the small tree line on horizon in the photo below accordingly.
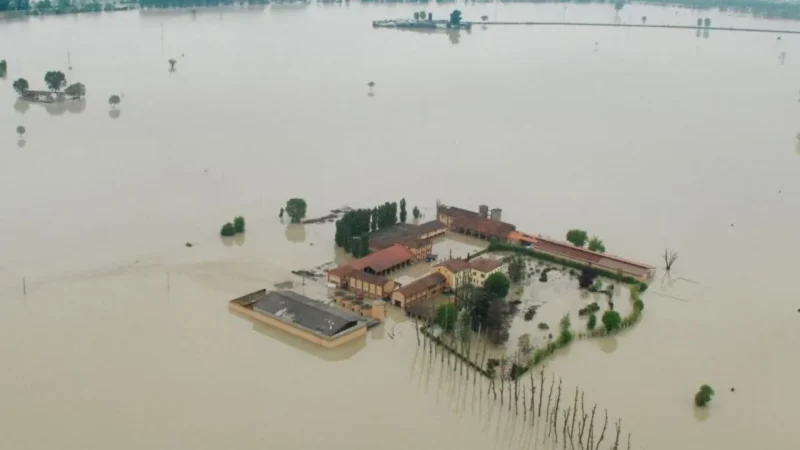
(55, 81)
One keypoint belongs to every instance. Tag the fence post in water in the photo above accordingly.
(541, 391)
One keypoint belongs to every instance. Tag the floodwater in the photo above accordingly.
(647, 138)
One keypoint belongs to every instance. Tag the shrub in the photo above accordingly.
(238, 224)
(497, 284)
(577, 238)
(296, 208)
(543, 326)
(565, 322)
(592, 322)
(611, 320)
(703, 395)
(565, 337)
(638, 304)
(228, 230)
(446, 316)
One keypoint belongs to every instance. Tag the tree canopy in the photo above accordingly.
(296, 208)
(611, 320)
(227, 230)
(415, 212)
(403, 213)
(21, 86)
(238, 224)
(446, 316)
(455, 18)
(497, 284)
(55, 80)
(3, 63)
(20, 130)
(596, 245)
(516, 269)
(358, 223)
(75, 90)
(704, 395)
(114, 101)
(578, 238)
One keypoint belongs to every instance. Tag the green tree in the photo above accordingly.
(21, 131)
(638, 304)
(455, 18)
(44, 5)
(619, 4)
(707, 22)
(55, 80)
(596, 245)
(296, 208)
(699, 22)
(463, 324)
(704, 395)
(3, 64)
(565, 322)
(497, 285)
(446, 316)
(592, 322)
(403, 213)
(228, 230)
(611, 320)
(415, 212)
(577, 237)
(21, 86)
(64, 5)
(114, 101)
(75, 90)
(238, 224)
(172, 63)
(516, 269)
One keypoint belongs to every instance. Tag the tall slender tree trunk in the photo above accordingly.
(541, 391)
(603, 432)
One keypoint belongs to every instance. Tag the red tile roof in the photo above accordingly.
(485, 264)
(609, 262)
(384, 259)
(454, 265)
(369, 278)
(422, 284)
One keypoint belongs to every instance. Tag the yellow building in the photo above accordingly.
(371, 285)
(481, 268)
(364, 308)
(457, 272)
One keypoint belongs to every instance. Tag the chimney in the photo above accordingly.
(483, 210)
(497, 214)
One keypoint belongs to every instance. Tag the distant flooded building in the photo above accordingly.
(302, 317)
(363, 307)
(474, 224)
(605, 261)
(370, 285)
(381, 262)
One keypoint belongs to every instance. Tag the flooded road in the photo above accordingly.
(646, 138)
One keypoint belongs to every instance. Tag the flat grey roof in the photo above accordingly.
(307, 313)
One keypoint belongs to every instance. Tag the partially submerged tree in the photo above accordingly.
(238, 224)
(455, 18)
(21, 131)
(296, 208)
(371, 85)
(578, 238)
(596, 245)
(415, 212)
(3, 67)
(586, 278)
(55, 80)
(227, 230)
(446, 316)
(592, 322)
(75, 90)
(516, 269)
(699, 21)
(618, 5)
(114, 101)
(704, 395)
(707, 22)
(21, 86)
(611, 320)
(497, 284)
(669, 258)
(172, 63)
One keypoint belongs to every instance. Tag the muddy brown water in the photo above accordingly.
(649, 139)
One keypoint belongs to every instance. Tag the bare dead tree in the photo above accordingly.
(516, 394)
(575, 410)
(669, 258)
(503, 362)
(556, 410)
(618, 424)
(582, 426)
(629, 441)
(549, 399)
(416, 325)
(533, 393)
(524, 406)
(541, 391)
(590, 438)
(566, 422)
(602, 433)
